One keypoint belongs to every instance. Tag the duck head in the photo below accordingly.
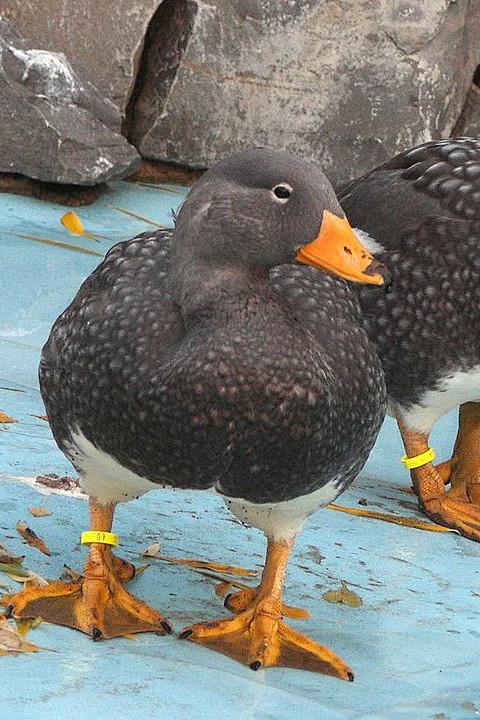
(261, 208)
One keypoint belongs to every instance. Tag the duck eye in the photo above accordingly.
(282, 192)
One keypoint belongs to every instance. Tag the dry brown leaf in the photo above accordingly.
(7, 557)
(14, 568)
(140, 569)
(344, 596)
(4, 418)
(11, 641)
(396, 519)
(32, 538)
(208, 565)
(69, 574)
(26, 624)
(39, 511)
(7, 588)
(152, 550)
(41, 417)
(28, 577)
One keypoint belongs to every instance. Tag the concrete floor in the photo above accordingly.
(413, 644)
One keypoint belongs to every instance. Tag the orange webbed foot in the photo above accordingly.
(257, 636)
(97, 604)
(459, 506)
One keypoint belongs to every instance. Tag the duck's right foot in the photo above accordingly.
(98, 604)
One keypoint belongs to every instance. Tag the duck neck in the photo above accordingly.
(202, 291)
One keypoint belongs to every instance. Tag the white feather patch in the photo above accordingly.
(453, 390)
(369, 242)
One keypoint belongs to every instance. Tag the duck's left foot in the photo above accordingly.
(257, 635)
(259, 638)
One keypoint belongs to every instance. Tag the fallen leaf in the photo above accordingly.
(140, 569)
(69, 574)
(22, 575)
(39, 511)
(7, 557)
(74, 225)
(15, 568)
(344, 596)
(57, 243)
(11, 641)
(4, 418)
(26, 624)
(396, 519)
(152, 550)
(32, 538)
(41, 417)
(208, 565)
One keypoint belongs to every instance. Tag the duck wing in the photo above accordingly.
(436, 179)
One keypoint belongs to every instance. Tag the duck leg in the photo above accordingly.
(464, 467)
(458, 507)
(97, 604)
(257, 636)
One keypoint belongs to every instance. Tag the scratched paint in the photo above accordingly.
(413, 644)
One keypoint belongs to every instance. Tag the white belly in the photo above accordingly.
(104, 478)
(283, 520)
(455, 389)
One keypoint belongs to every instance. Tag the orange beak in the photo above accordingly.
(337, 249)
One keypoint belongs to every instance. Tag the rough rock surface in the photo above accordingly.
(348, 83)
(102, 39)
(56, 127)
(469, 121)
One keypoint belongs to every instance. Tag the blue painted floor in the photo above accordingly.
(414, 644)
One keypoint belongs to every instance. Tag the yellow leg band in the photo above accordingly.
(98, 536)
(418, 460)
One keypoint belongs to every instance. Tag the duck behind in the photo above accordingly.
(421, 215)
(179, 364)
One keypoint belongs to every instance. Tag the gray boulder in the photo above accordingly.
(103, 39)
(56, 126)
(349, 84)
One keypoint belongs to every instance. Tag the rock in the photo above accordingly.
(102, 40)
(469, 121)
(347, 85)
(56, 127)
